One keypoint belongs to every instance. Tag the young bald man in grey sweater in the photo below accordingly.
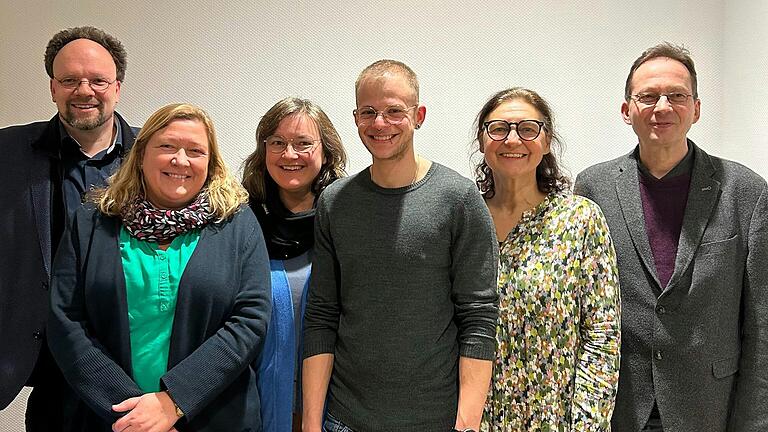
(399, 332)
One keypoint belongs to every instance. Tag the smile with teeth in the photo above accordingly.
(382, 137)
(177, 176)
(512, 155)
(84, 106)
(291, 167)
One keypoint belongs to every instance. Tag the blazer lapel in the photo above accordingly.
(628, 193)
(40, 189)
(702, 198)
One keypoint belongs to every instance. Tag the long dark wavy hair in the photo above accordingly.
(255, 170)
(550, 177)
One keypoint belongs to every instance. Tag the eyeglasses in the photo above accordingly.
(391, 114)
(651, 99)
(527, 130)
(277, 144)
(96, 84)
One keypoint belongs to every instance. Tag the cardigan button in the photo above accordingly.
(658, 355)
(44, 285)
(38, 335)
(660, 310)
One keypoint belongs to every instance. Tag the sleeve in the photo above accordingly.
(213, 366)
(474, 267)
(321, 318)
(96, 378)
(750, 412)
(581, 186)
(597, 364)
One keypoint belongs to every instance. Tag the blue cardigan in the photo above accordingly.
(278, 359)
(219, 327)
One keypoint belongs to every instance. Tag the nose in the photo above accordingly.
(513, 137)
(662, 106)
(84, 87)
(383, 120)
(181, 158)
(290, 152)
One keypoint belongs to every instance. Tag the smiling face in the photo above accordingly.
(663, 124)
(175, 164)
(388, 141)
(513, 157)
(295, 172)
(83, 108)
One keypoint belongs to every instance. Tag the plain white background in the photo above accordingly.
(237, 58)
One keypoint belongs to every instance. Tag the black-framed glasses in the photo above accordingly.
(651, 99)
(527, 130)
(391, 114)
(96, 84)
(277, 144)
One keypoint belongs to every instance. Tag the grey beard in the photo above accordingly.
(85, 124)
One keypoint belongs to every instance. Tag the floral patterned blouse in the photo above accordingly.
(557, 367)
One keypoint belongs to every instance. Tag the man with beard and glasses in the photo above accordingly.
(47, 169)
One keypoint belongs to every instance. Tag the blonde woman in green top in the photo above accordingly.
(558, 331)
(160, 297)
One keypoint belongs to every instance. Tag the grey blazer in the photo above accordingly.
(700, 344)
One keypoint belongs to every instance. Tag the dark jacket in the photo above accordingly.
(219, 325)
(26, 237)
(699, 345)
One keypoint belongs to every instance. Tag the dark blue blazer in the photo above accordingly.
(26, 168)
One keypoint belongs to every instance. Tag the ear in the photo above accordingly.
(625, 112)
(547, 141)
(118, 84)
(53, 91)
(696, 110)
(421, 114)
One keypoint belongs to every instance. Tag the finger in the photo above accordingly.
(126, 405)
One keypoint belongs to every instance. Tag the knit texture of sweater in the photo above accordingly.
(403, 283)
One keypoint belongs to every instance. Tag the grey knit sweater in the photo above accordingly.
(403, 283)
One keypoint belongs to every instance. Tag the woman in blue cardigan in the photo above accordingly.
(298, 153)
(160, 298)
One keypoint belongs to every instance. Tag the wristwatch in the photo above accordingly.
(179, 412)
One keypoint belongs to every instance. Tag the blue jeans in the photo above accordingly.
(332, 424)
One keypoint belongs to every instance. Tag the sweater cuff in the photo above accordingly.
(313, 348)
(479, 350)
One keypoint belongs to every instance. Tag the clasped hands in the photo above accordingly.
(150, 412)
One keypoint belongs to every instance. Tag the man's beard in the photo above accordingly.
(86, 123)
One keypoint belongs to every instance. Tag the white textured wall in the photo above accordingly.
(744, 135)
(237, 58)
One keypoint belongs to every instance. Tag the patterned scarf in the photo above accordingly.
(145, 222)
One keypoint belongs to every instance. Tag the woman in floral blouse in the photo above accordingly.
(558, 335)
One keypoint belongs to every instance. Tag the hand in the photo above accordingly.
(151, 412)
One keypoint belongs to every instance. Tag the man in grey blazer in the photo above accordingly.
(691, 236)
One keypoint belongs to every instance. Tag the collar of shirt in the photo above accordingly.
(68, 143)
(683, 167)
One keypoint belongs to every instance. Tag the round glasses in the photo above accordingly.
(527, 130)
(96, 84)
(391, 114)
(277, 144)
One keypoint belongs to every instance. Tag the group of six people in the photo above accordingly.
(404, 297)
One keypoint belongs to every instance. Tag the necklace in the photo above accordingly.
(416, 173)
